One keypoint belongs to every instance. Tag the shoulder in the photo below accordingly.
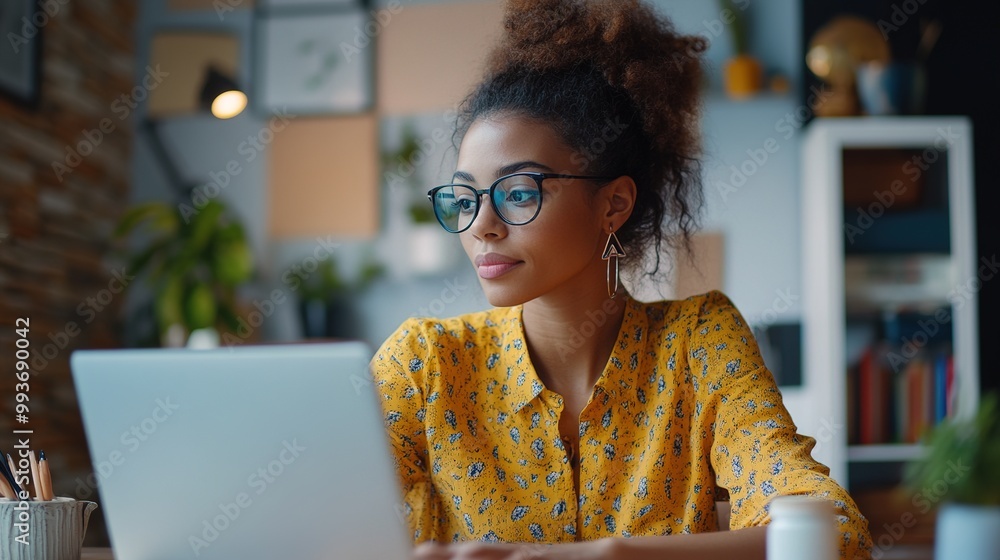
(709, 331)
(696, 316)
(419, 340)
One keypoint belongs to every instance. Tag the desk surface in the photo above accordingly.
(895, 553)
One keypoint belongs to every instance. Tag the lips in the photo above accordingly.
(489, 259)
(493, 265)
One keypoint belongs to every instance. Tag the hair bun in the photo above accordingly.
(632, 46)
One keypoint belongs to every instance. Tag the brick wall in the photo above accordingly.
(64, 170)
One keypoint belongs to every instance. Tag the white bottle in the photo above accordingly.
(801, 528)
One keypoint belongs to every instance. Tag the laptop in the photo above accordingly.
(255, 453)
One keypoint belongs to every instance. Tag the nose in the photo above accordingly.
(487, 222)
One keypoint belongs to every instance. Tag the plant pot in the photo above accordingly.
(743, 76)
(431, 249)
(967, 532)
(328, 319)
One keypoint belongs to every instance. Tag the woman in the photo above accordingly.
(572, 413)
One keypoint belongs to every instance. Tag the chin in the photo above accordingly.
(502, 296)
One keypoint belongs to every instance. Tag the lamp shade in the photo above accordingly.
(221, 95)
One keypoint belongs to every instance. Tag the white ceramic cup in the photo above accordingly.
(49, 530)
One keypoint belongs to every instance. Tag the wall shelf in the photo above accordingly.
(885, 453)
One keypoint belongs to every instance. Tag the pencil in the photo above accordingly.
(10, 477)
(10, 463)
(34, 474)
(6, 490)
(43, 470)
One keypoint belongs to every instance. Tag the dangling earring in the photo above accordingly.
(612, 250)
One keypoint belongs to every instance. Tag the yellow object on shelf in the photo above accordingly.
(743, 76)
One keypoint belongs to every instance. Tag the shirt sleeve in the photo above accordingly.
(398, 371)
(757, 453)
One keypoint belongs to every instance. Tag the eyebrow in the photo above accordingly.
(505, 170)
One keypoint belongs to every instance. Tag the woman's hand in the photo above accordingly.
(472, 550)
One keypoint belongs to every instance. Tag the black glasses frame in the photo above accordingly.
(536, 175)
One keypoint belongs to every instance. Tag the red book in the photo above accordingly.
(913, 404)
(866, 404)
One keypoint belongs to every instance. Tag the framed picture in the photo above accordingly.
(21, 26)
(313, 63)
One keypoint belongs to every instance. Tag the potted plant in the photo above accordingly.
(194, 264)
(326, 309)
(743, 73)
(401, 169)
(429, 248)
(962, 468)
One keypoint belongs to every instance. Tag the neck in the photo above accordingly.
(570, 337)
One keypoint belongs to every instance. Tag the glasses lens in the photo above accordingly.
(517, 199)
(455, 206)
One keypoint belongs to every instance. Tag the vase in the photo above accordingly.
(334, 318)
(891, 89)
(431, 249)
(967, 532)
(743, 76)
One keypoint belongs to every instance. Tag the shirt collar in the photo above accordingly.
(519, 384)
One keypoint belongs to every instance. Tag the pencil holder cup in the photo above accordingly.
(49, 530)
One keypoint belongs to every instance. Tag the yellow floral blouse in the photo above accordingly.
(684, 412)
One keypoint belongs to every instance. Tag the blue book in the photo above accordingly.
(940, 392)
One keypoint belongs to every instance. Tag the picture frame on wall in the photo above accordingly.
(20, 56)
(312, 62)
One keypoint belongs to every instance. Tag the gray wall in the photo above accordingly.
(760, 217)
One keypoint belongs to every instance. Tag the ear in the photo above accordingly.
(620, 199)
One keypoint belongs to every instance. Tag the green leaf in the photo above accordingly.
(139, 262)
(137, 214)
(200, 307)
(232, 262)
(202, 227)
(962, 460)
(168, 303)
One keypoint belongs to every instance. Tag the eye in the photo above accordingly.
(522, 196)
(465, 203)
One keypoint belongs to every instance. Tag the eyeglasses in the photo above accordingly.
(517, 199)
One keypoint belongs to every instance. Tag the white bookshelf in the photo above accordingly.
(885, 452)
(825, 302)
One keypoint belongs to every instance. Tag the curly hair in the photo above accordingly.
(590, 68)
